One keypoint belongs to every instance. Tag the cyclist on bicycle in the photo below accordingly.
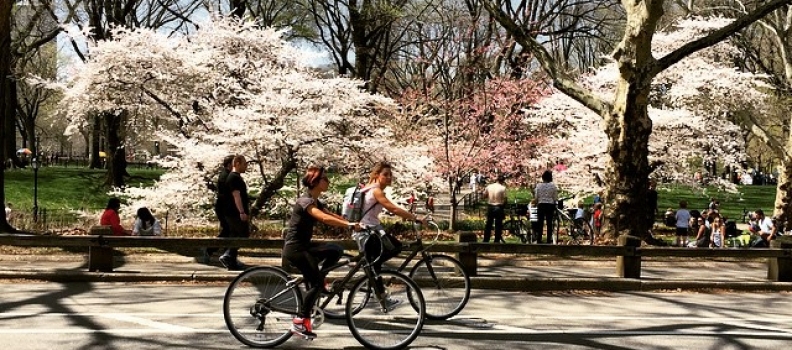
(304, 255)
(374, 201)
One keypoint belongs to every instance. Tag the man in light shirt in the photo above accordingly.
(496, 202)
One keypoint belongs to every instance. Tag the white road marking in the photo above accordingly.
(149, 323)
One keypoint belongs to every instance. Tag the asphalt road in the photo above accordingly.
(189, 316)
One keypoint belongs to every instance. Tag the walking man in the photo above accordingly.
(220, 204)
(237, 211)
(496, 201)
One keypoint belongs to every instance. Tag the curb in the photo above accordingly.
(613, 284)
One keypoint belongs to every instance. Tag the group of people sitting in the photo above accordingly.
(713, 230)
(145, 222)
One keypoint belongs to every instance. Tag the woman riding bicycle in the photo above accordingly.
(304, 255)
(374, 201)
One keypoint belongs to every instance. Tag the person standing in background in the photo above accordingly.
(682, 224)
(496, 202)
(237, 211)
(546, 194)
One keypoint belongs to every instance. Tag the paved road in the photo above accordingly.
(188, 316)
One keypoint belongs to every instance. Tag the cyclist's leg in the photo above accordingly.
(373, 250)
(329, 254)
(309, 267)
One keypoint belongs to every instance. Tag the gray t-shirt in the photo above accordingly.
(299, 230)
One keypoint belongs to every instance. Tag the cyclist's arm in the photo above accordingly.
(393, 208)
(333, 214)
(326, 218)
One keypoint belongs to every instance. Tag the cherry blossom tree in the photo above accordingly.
(625, 114)
(233, 87)
(480, 131)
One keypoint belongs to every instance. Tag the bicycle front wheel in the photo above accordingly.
(334, 302)
(259, 305)
(387, 323)
(445, 285)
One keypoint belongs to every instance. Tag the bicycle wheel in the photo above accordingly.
(444, 284)
(394, 327)
(517, 228)
(334, 303)
(259, 305)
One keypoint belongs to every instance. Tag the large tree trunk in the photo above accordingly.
(628, 125)
(7, 102)
(116, 152)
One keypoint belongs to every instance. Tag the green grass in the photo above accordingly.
(67, 188)
(669, 196)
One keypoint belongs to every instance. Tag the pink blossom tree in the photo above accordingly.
(481, 131)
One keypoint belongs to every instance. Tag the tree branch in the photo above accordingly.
(717, 36)
(561, 81)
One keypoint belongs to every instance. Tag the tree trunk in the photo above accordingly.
(7, 103)
(287, 166)
(116, 154)
(628, 126)
(452, 186)
(96, 127)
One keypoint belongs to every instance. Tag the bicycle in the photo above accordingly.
(577, 230)
(444, 283)
(516, 226)
(260, 303)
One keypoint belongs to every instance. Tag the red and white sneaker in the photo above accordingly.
(302, 327)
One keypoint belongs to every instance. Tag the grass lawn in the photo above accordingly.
(669, 196)
(67, 188)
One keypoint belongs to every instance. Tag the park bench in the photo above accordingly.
(629, 253)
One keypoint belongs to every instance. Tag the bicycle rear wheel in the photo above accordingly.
(383, 325)
(517, 228)
(445, 285)
(259, 305)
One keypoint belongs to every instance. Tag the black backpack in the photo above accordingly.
(731, 229)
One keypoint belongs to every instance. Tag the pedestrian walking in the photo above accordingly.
(220, 203)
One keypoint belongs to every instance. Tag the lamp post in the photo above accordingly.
(35, 163)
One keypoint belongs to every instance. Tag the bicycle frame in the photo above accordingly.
(420, 248)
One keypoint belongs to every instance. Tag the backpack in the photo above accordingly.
(731, 229)
(352, 209)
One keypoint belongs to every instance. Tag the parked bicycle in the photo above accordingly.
(260, 303)
(444, 283)
(577, 230)
(516, 225)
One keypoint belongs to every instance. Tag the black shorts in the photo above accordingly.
(681, 231)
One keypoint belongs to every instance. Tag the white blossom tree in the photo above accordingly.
(690, 105)
(233, 87)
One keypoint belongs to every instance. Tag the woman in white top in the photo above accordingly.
(374, 201)
(146, 224)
